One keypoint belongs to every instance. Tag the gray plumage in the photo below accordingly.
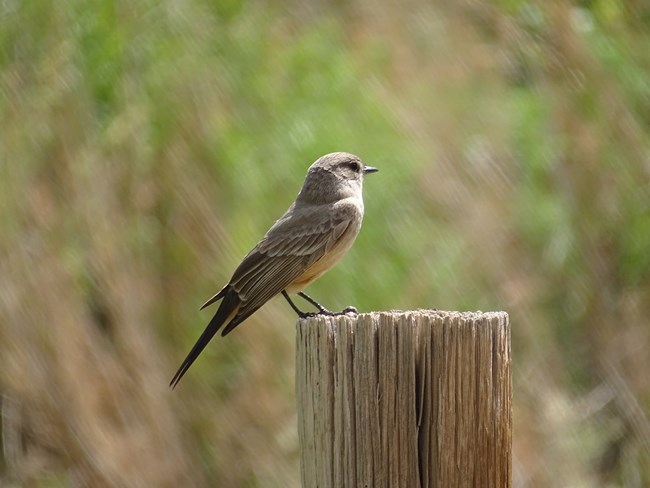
(313, 234)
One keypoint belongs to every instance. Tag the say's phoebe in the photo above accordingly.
(310, 238)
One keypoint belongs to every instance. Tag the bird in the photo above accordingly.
(312, 236)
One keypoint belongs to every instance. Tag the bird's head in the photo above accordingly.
(333, 177)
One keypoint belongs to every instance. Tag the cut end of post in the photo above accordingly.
(421, 312)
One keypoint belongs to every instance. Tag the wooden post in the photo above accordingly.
(405, 399)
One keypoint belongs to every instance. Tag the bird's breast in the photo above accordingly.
(329, 259)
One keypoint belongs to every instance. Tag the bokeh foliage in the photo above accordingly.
(146, 146)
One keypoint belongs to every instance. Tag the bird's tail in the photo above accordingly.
(217, 297)
(227, 310)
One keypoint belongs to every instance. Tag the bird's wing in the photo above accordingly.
(291, 246)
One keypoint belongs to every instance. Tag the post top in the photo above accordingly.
(415, 314)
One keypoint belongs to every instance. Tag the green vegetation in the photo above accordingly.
(146, 146)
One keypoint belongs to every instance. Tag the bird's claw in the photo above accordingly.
(329, 313)
(308, 315)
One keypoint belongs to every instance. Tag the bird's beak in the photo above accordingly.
(369, 169)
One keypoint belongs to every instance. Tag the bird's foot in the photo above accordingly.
(345, 311)
(329, 313)
(350, 309)
(306, 315)
(321, 310)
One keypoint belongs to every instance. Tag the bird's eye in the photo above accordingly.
(354, 166)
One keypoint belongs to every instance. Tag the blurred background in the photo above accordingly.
(147, 146)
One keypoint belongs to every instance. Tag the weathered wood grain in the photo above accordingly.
(405, 399)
